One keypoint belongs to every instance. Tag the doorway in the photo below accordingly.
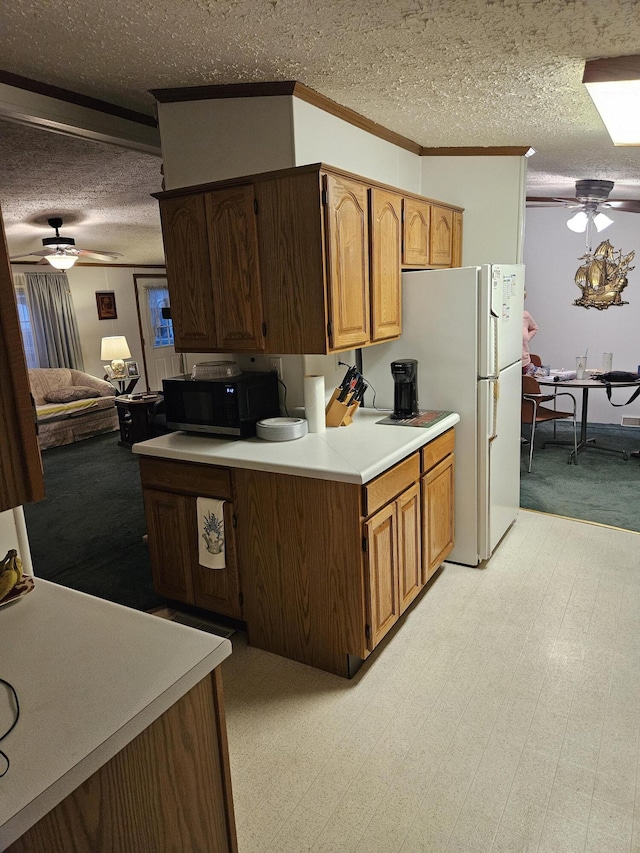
(156, 330)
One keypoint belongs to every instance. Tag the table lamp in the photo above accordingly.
(115, 349)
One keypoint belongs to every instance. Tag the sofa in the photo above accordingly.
(71, 405)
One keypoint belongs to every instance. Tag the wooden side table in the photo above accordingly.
(134, 418)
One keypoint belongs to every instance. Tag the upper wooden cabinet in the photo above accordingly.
(347, 219)
(386, 243)
(441, 236)
(303, 260)
(235, 271)
(21, 479)
(416, 232)
(456, 251)
(211, 248)
(186, 249)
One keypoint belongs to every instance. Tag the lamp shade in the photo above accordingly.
(114, 347)
(577, 223)
(62, 262)
(601, 221)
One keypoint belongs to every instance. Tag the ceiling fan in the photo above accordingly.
(61, 252)
(592, 197)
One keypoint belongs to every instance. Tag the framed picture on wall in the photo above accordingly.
(106, 301)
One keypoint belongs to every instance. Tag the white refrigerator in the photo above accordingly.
(464, 327)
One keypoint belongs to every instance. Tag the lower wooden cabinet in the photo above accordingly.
(409, 545)
(325, 568)
(173, 534)
(393, 567)
(437, 503)
(383, 593)
(167, 789)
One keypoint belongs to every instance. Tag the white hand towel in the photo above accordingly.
(210, 512)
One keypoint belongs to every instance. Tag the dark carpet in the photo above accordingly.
(87, 532)
(602, 487)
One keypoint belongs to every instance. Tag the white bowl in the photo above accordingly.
(281, 429)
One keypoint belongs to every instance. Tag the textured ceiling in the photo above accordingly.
(441, 72)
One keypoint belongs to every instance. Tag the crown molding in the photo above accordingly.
(477, 151)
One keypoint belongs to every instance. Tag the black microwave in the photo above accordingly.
(230, 406)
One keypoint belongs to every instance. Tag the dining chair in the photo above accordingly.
(535, 359)
(533, 412)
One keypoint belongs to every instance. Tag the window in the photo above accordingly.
(161, 327)
(24, 316)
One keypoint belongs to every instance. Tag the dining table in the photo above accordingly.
(584, 385)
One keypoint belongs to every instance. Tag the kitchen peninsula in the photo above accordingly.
(328, 538)
(121, 741)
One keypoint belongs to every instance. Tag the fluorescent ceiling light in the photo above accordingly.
(614, 86)
(62, 261)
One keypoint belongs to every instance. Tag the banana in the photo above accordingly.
(11, 572)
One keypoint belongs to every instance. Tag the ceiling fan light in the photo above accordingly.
(602, 221)
(62, 262)
(578, 221)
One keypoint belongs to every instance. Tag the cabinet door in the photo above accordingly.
(415, 232)
(169, 532)
(409, 545)
(456, 250)
(218, 589)
(437, 515)
(347, 235)
(386, 226)
(441, 238)
(235, 271)
(21, 479)
(184, 232)
(383, 603)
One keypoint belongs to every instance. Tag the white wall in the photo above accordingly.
(84, 282)
(324, 138)
(552, 255)
(492, 192)
(212, 140)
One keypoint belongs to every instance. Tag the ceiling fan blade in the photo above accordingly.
(545, 201)
(625, 205)
(90, 253)
(41, 254)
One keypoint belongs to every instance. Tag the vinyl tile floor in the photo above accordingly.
(502, 714)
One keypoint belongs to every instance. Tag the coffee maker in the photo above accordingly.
(405, 392)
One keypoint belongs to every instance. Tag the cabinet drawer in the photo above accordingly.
(389, 485)
(186, 477)
(437, 449)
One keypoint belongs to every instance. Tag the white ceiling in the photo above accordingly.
(440, 72)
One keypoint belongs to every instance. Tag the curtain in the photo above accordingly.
(53, 320)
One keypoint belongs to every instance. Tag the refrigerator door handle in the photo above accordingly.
(493, 408)
(495, 328)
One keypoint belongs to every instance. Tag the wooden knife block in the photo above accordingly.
(337, 413)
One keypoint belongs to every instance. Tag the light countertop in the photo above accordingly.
(349, 454)
(90, 676)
